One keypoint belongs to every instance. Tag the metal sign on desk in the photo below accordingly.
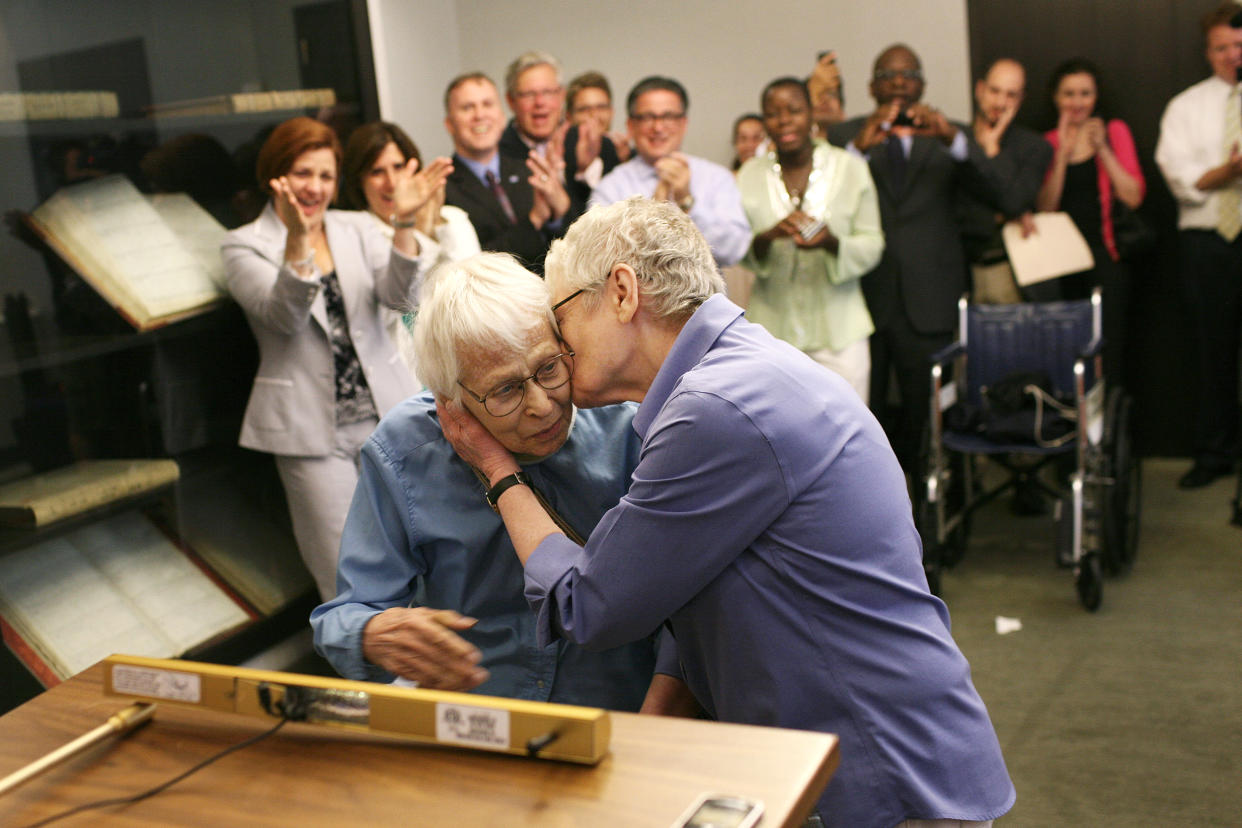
(547, 731)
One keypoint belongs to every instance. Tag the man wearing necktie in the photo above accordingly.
(536, 96)
(1200, 154)
(517, 205)
(920, 161)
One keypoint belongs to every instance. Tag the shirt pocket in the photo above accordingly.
(272, 403)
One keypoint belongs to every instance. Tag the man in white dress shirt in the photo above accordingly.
(1200, 154)
(704, 190)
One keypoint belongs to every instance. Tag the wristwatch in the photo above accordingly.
(503, 485)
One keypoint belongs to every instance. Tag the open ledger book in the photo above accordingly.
(156, 259)
(116, 585)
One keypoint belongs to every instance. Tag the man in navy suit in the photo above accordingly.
(920, 161)
(517, 205)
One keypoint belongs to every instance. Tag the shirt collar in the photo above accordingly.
(693, 342)
(481, 169)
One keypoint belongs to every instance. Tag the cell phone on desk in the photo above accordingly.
(719, 811)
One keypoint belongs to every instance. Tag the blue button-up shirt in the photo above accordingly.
(419, 532)
(769, 521)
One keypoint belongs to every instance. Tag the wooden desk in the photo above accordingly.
(305, 775)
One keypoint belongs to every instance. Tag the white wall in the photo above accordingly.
(416, 55)
(721, 53)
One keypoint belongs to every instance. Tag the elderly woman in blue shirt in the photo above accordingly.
(816, 219)
(430, 587)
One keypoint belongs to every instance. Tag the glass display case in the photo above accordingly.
(167, 102)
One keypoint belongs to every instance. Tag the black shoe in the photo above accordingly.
(1201, 474)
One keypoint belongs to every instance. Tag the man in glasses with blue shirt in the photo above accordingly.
(429, 588)
(705, 191)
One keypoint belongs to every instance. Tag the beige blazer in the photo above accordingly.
(292, 407)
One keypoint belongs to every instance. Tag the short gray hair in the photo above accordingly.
(529, 60)
(487, 302)
(673, 262)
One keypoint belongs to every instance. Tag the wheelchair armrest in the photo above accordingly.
(947, 353)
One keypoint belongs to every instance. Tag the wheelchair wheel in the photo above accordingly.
(1089, 582)
(1123, 500)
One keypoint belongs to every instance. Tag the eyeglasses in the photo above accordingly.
(584, 109)
(644, 119)
(565, 301)
(531, 94)
(892, 74)
(505, 398)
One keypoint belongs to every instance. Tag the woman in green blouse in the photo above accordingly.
(816, 220)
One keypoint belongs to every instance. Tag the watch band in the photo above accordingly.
(503, 485)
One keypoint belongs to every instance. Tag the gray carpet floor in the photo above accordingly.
(1131, 716)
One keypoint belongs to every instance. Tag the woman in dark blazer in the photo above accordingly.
(311, 281)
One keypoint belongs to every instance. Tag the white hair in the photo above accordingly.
(487, 302)
(529, 60)
(673, 262)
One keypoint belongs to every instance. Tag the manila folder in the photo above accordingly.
(1056, 248)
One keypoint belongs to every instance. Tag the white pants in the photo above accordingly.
(319, 491)
(852, 362)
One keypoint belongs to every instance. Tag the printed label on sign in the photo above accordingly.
(158, 684)
(479, 727)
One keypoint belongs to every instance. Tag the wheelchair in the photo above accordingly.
(1097, 503)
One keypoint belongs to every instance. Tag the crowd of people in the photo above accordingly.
(739, 544)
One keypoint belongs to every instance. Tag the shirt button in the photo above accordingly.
(540, 684)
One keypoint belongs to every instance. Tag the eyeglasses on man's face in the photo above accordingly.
(505, 398)
(646, 119)
(893, 74)
(532, 94)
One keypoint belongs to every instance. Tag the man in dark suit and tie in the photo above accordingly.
(517, 205)
(920, 162)
(536, 96)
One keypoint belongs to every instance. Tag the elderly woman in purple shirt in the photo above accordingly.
(767, 522)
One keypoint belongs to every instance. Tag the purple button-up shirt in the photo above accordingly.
(768, 520)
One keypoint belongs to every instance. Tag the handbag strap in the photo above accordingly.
(1043, 398)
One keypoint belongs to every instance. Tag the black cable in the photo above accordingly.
(138, 797)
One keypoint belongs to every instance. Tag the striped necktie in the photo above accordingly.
(1229, 222)
(501, 196)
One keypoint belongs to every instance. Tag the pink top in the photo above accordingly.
(1122, 142)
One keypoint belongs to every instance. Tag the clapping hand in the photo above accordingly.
(551, 199)
(287, 209)
(415, 187)
(674, 178)
(590, 140)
